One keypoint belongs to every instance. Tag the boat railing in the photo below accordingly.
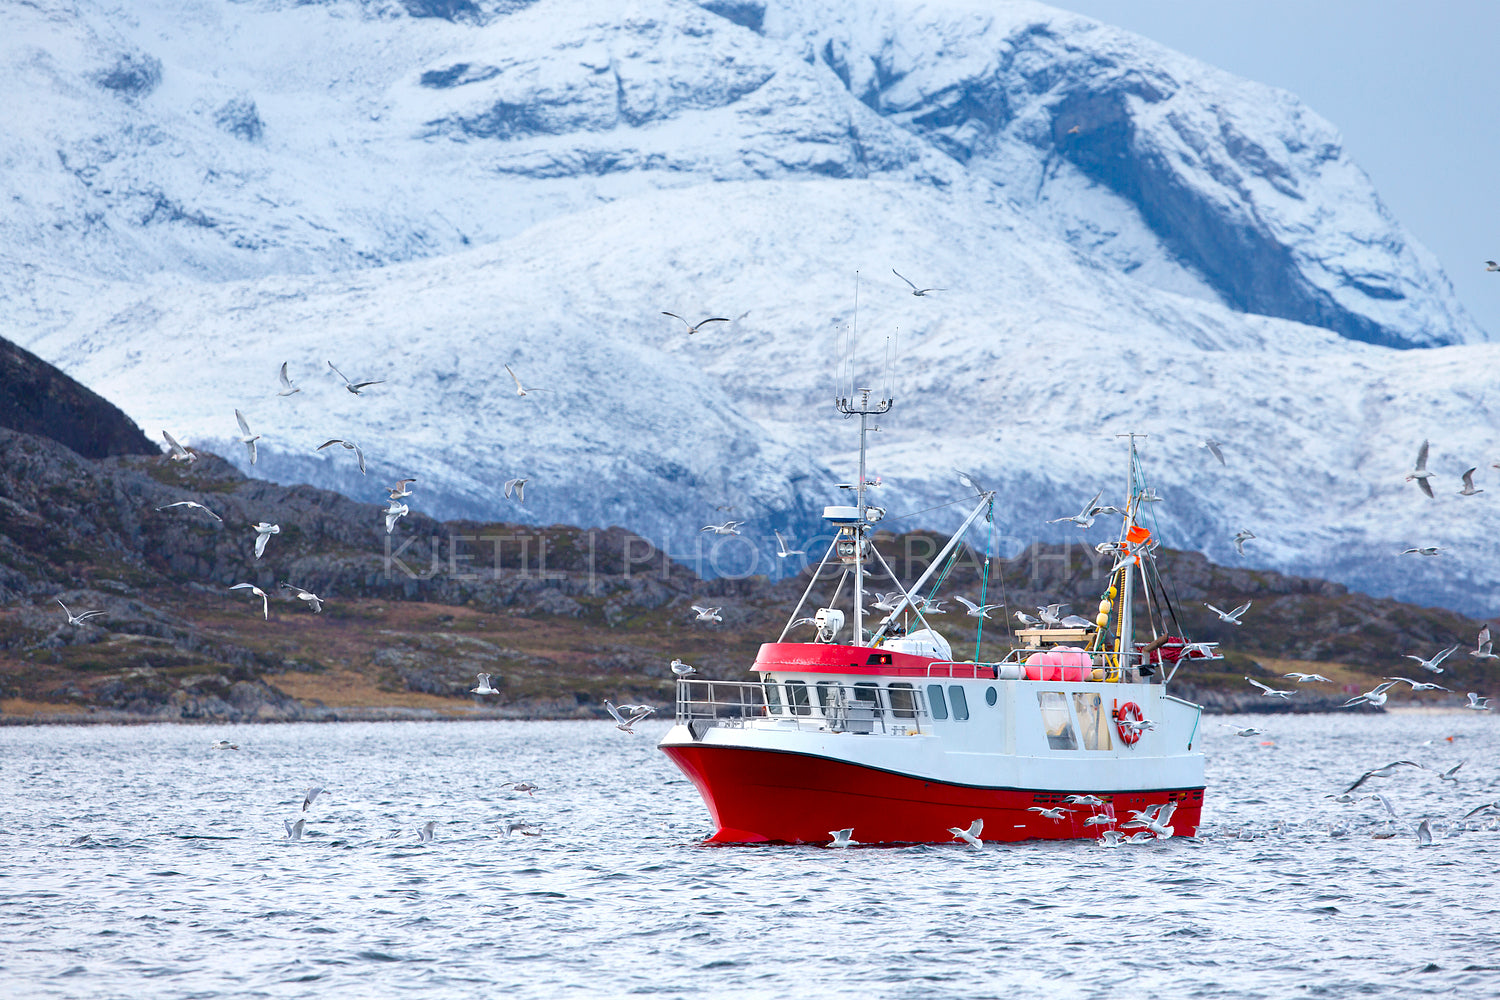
(827, 706)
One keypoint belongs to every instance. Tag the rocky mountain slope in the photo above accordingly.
(1126, 239)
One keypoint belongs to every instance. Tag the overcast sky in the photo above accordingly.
(1411, 85)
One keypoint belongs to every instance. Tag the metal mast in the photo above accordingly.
(1127, 588)
(863, 409)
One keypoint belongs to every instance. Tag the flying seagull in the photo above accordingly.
(313, 600)
(401, 489)
(1233, 617)
(727, 528)
(287, 389)
(842, 838)
(914, 289)
(708, 614)
(177, 452)
(1422, 550)
(1304, 678)
(1240, 538)
(1376, 697)
(1419, 471)
(1383, 772)
(394, 513)
(1270, 691)
(1452, 773)
(1432, 664)
(484, 686)
(246, 438)
(265, 604)
(1247, 731)
(1469, 488)
(82, 618)
(1424, 834)
(693, 328)
(1490, 265)
(348, 446)
(971, 835)
(424, 832)
(263, 532)
(519, 487)
(624, 723)
(1420, 685)
(294, 830)
(313, 792)
(354, 387)
(1477, 703)
(1056, 813)
(781, 550)
(1213, 449)
(192, 503)
(521, 390)
(1084, 518)
(976, 610)
(1483, 650)
(1092, 801)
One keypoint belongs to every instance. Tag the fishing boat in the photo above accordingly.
(873, 723)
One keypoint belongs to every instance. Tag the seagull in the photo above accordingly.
(1055, 813)
(841, 838)
(1424, 834)
(1159, 826)
(1376, 697)
(224, 745)
(1419, 472)
(1075, 130)
(1383, 772)
(521, 390)
(1022, 617)
(919, 292)
(1233, 617)
(177, 452)
(1071, 621)
(313, 600)
(522, 786)
(1452, 773)
(82, 618)
(1247, 731)
(484, 686)
(1432, 664)
(424, 832)
(886, 602)
(1420, 685)
(265, 604)
(727, 528)
(1480, 809)
(708, 614)
(348, 445)
(263, 532)
(1469, 489)
(1484, 646)
(312, 796)
(622, 723)
(394, 513)
(1477, 703)
(1490, 265)
(1051, 615)
(1084, 518)
(519, 826)
(294, 830)
(1103, 819)
(971, 835)
(781, 550)
(693, 328)
(1304, 678)
(684, 669)
(519, 487)
(401, 489)
(1213, 449)
(1240, 538)
(1091, 801)
(1111, 838)
(354, 387)
(970, 482)
(287, 389)
(976, 610)
(192, 503)
(1137, 726)
(1270, 691)
(1424, 550)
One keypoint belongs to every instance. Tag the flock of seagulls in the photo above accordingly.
(1423, 830)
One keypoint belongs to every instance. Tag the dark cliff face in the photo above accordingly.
(36, 398)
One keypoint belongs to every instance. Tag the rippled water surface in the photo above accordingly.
(139, 862)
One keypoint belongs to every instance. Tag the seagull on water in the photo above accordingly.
(1477, 703)
(354, 387)
(177, 452)
(1484, 646)
(1383, 772)
(1056, 813)
(1421, 550)
(82, 618)
(976, 610)
(401, 490)
(1240, 538)
(1424, 834)
(1233, 617)
(519, 487)
(224, 745)
(191, 503)
(287, 389)
(708, 614)
(484, 686)
(1420, 685)
(682, 669)
(294, 830)
(1305, 678)
(265, 604)
(693, 328)
(1432, 664)
(625, 723)
(842, 838)
(519, 826)
(393, 513)
(971, 835)
(919, 292)
(727, 528)
(1419, 471)
(1213, 449)
(313, 792)
(348, 446)
(424, 832)
(313, 600)
(1270, 691)
(781, 550)
(1469, 488)
(1376, 697)
(263, 532)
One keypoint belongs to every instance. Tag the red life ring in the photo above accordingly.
(1129, 734)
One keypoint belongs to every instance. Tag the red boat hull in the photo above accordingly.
(759, 796)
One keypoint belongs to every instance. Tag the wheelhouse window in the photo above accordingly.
(935, 701)
(797, 699)
(773, 697)
(828, 694)
(1093, 721)
(1055, 719)
(960, 702)
(903, 701)
(867, 696)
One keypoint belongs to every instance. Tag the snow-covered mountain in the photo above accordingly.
(1127, 239)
